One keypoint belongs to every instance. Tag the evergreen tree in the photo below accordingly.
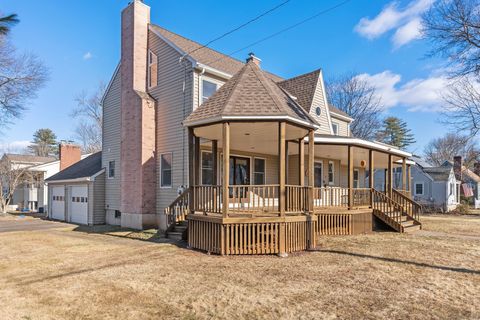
(6, 22)
(44, 143)
(395, 132)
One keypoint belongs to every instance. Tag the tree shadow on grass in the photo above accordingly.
(414, 263)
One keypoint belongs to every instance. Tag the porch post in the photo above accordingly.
(350, 177)
(409, 184)
(282, 171)
(390, 176)
(286, 162)
(404, 174)
(311, 172)
(301, 162)
(197, 162)
(191, 182)
(371, 177)
(226, 167)
(215, 161)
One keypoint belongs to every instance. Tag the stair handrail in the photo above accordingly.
(178, 209)
(415, 207)
(398, 209)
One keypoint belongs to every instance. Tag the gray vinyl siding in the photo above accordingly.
(319, 101)
(97, 188)
(293, 170)
(111, 142)
(172, 106)
(418, 176)
(342, 126)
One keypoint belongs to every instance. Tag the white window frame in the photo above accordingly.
(151, 62)
(337, 125)
(252, 179)
(415, 188)
(331, 183)
(108, 175)
(203, 78)
(171, 171)
(201, 165)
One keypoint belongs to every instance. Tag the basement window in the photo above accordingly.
(166, 170)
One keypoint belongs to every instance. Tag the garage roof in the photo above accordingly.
(85, 168)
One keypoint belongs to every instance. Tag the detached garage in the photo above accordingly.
(77, 194)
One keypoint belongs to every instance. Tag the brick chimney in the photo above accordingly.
(254, 59)
(69, 154)
(137, 156)
(457, 167)
(476, 168)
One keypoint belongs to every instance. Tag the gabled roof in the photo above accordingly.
(420, 161)
(250, 93)
(85, 168)
(27, 158)
(465, 171)
(438, 173)
(336, 111)
(206, 56)
(303, 87)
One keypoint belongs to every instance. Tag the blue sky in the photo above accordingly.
(79, 42)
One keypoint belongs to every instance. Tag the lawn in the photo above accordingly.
(63, 273)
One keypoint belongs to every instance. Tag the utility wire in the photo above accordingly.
(239, 27)
(283, 30)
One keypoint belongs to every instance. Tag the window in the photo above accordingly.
(118, 214)
(419, 189)
(152, 69)
(111, 169)
(207, 168)
(335, 128)
(259, 171)
(331, 173)
(317, 170)
(208, 89)
(166, 170)
(318, 111)
(355, 178)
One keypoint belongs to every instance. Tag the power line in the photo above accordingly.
(239, 27)
(283, 30)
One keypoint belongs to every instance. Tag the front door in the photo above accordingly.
(239, 175)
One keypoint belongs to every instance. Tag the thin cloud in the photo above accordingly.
(422, 94)
(406, 22)
(14, 146)
(87, 56)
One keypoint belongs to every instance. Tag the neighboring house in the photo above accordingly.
(187, 129)
(470, 180)
(31, 195)
(77, 193)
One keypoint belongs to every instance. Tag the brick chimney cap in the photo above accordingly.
(254, 59)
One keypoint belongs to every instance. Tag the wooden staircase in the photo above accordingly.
(176, 214)
(397, 211)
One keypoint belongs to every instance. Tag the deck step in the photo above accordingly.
(175, 235)
(412, 228)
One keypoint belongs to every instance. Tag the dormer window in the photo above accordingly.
(208, 89)
(318, 111)
(152, 69)
(335, 128)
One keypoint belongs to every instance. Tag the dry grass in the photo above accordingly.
(59, 274)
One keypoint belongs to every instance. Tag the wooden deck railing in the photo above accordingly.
(361, 197)
(411, 207)
(296, 199)
(391, 211)
(207, 198)
(330, 197)
(178, 210)
(254, 198)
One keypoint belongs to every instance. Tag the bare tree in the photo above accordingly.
(453, 28)
(445, 148)
(357, 98)
(21, 76)
(462, 106)
(11, 176)
(90, 113)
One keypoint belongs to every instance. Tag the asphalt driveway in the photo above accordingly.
(13, 223)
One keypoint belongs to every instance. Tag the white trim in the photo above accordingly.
(202, 78)
(117, 69)
(361, 143)
(415, 188)
(338, 128)
(171, 171)
(200, 66)
(259, 118)
(252, 181)
(320, 78)
(82, 179)
(170, 43)
(149, 68)
(340, 116)
(97, 174)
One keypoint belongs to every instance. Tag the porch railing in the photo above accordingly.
(411, 207)
(330, 197)
(178, 210)
(296, 199)
(390, 209)
(361, 197)
(207, 198)
(254, 198)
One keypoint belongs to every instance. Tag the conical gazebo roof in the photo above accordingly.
(250, 95)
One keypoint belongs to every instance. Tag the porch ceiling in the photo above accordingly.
(258, 137)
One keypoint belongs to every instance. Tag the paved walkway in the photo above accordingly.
(25, 223)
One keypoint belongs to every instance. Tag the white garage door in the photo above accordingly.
(79, 205)
(58, 203)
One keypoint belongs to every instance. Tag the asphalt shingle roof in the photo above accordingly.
(28, 158)
(82, 169)
(249, 93)
(302, 87)
(438, 173)
(206, 56)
